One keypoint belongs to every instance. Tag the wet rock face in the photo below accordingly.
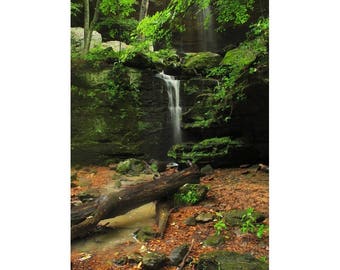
(224, 260)
(141, 128)
(103, 131)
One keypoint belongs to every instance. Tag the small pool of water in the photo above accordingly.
(124, 226)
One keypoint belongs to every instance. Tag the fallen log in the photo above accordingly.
(118, 203)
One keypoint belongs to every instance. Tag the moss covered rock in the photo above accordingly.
(191, 194)
(146, 233)
(153, 261)
(202, 60)
(214, 240)
(246, 53)
(234, 217)
(207, 169)
(206, 151)
(131, 166)
(224, 260)
(205, 217)
(178, 253)
(92, 78)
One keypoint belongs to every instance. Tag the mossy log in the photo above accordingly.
(118, 203)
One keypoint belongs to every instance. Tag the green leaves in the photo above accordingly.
(220, 224)
(75, 8)
(121, 8)
(249, 224)
(236, 11)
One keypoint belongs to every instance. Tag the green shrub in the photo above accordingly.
(220, 224)
(249, 224)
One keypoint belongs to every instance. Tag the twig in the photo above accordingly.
(181, 265)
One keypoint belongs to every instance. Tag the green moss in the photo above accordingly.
(246, 53)
(225, 260)
(234, 217)
(203, 151)
(214, 240)
(99, 57)
(154, 167)
(145, 234)
(165, 57)
(202, 60)
(190, 194)
(131, 166)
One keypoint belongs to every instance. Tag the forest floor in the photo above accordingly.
(233, 188)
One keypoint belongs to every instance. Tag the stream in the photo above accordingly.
(123, 228)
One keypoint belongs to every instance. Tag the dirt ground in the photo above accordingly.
(234, 188)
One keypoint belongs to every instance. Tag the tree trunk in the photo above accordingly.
(86, 24)
(118, 203)
(143, 12)
(88, 28)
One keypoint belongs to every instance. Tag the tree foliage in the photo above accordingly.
(236, 11)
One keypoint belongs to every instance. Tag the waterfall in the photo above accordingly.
(207, 33)
(172, 89)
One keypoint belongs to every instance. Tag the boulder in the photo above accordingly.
(77, 39)
(153, 261)
(178, 253)
(131, 166)
(116, 45)
(225, 260)
(246, 53)
(146, 233)
(234, 217)
(191, 194)
(205, 217)
(214, 240)
(202, 60)
(190, 221)
(207, 169)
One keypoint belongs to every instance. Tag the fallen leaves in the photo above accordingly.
(229, 189)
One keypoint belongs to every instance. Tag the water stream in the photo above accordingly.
(123, 228)
(172, 89)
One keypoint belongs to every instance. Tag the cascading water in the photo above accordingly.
(172, 89)
(207, 33)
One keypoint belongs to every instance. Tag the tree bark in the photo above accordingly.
(89, 27)
(143, 12)
(86, 23)
(118, 203)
